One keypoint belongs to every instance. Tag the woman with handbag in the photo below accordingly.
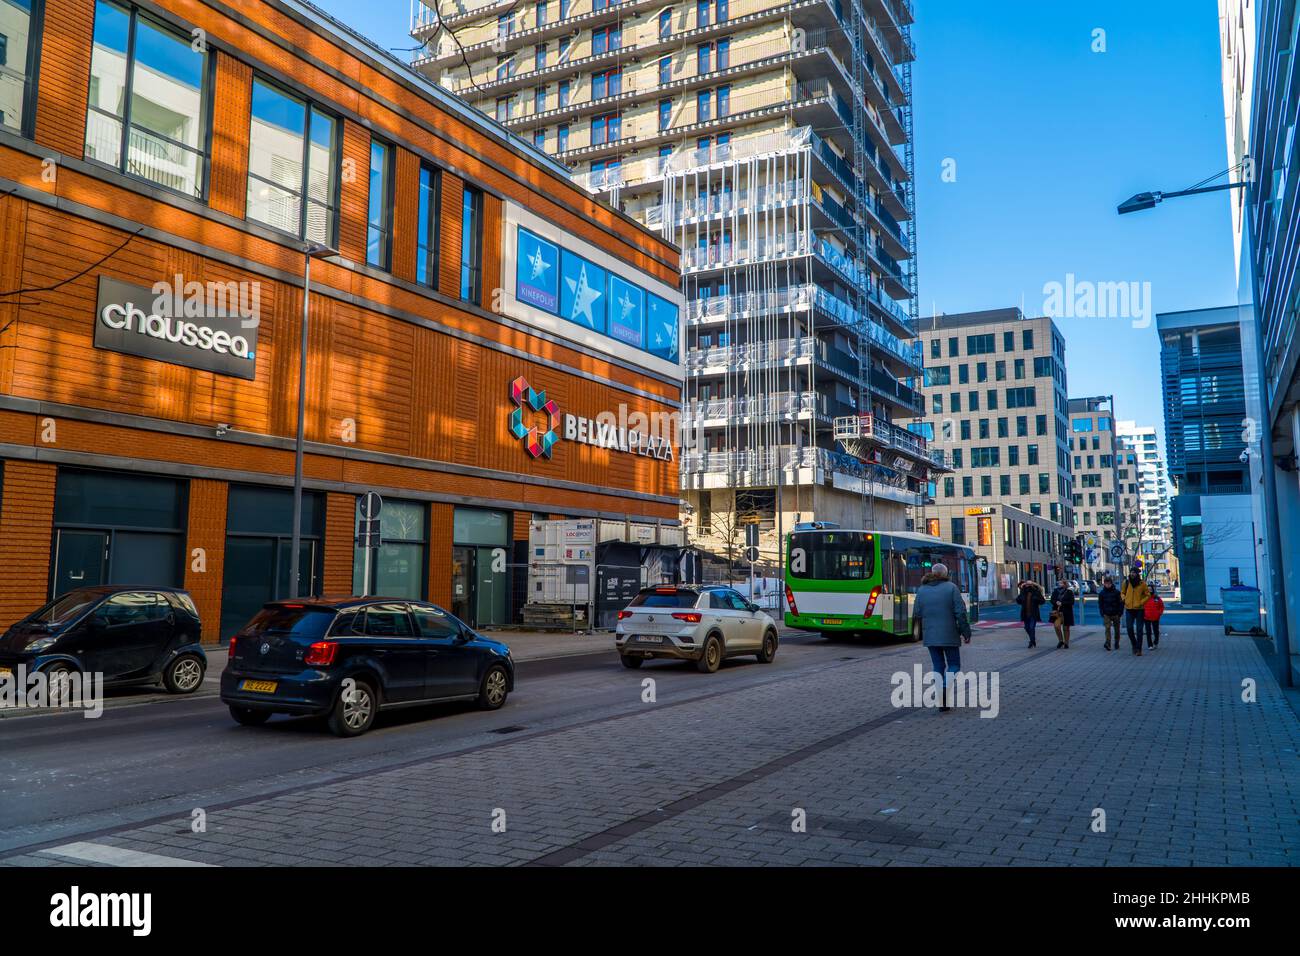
(1062, 616)
(1031, 600)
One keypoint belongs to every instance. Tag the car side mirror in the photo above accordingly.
(753, 608)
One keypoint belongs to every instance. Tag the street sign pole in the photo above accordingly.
(369, 507)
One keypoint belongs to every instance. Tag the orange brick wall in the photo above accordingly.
(440, 537)
(65, 69)
(26, 527)
(231, 102)
(207, 530)
(340, 529)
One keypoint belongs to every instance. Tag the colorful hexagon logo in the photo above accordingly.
(536, 442)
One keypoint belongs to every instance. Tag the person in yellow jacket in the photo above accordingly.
(1135, 594)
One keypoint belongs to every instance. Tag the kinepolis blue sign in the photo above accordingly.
(563, 283)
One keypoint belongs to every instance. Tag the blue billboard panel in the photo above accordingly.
(538, 272)
(661, 328)
(626, 312)
(583, 297)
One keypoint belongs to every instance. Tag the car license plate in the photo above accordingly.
(259, 686)
(648, 639)
(832, 620)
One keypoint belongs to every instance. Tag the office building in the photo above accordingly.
(1261, 93)
(995, 398)
(733, 126)
(1149, 523)
(149, 394)
(1214, 532)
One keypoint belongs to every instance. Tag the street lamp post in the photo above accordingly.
(313, 250)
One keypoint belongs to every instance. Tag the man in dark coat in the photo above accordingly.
(1031, 600)
(1111, 604)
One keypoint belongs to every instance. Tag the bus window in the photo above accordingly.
(832, 556)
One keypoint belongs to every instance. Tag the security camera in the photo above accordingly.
(222, 429)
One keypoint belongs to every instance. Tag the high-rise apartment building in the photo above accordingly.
(1213, 526)
(1094, 450)
(771, 140)
(996, 406)
(1150, 522)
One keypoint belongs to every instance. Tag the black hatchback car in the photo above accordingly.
(346, 659)
(132, 635)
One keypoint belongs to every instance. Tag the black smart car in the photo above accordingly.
(132, 635)
(345, 659)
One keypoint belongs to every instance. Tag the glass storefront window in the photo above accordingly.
(398, 567)
(292, 165)
(151, 82)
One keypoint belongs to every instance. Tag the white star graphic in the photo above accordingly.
(539, 263)
(584, 297)
(627, 304)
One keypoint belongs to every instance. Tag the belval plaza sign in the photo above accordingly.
(617, 438)
(530, 407)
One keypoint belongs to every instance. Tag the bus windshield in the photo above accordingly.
(832, 555)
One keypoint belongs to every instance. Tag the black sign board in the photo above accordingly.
(200, 331)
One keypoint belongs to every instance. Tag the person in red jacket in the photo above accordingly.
(1151, 612)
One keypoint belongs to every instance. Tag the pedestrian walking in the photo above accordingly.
(1111, 604)
(1135, 594)
(1031, 599)
(1062, 615)
(944, 624)
(1151, 612)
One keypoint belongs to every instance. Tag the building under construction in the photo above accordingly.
(772, 141)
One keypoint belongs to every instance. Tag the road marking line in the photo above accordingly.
(116, 855)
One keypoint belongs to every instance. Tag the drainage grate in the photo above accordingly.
(511, 729)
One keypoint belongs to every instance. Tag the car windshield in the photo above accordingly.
(670, 597)
(65, 608)
(298, 621)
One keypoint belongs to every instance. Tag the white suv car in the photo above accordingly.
(693, 623)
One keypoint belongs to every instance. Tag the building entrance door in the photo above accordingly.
(80, 559)
(463, 577)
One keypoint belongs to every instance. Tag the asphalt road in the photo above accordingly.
(150, 754)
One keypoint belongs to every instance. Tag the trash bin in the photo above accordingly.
(1241, 610)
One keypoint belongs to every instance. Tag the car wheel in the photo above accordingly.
(711, 659)
(248, 717)
(768, 650)
(58, 677)
(354, 709)
(631, 662)
(183, 675)
(493, 691)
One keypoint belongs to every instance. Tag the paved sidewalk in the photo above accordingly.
(1161, 748)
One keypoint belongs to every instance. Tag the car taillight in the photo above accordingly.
(690, 617)
(321, 654)
(231, 655)
(623, 615)
(789, 599)
(871, 600)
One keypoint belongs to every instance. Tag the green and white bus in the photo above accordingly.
(848, 582)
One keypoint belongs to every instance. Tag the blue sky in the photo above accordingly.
(1047, 138)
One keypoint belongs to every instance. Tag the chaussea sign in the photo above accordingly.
(136, 321)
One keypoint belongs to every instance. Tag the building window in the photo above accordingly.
(665, 24)
(963, 374)
(935, 349)
(292, 165)
(606, 83)
(703, 58)
(505, 66)
(724, 53)
(703, 106)
(959, 530)
(665, 69)
(18, 44)
(563, 93)
(539, 139)
(1024, 484)
(1043, 366)
(562, 138)
(539, 57)
(398, 567)
(564, 8)
(427, 230)
(665, 114)
(147, 80)
(1013, 455)
(724, 101)
(605, 128)
(1008, 341)
(379, 218)
(471, 245)
(505, 108)
(606, 40)
(540, 7)
(539, 100)
(701, 13)
(1027, 338)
